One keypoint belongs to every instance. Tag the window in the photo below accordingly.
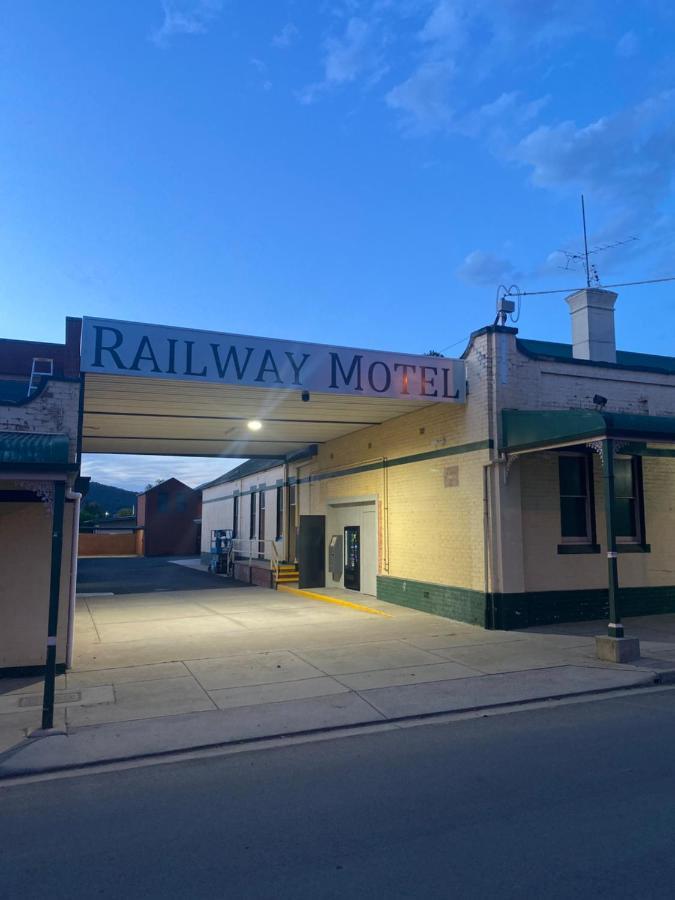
(628, 514)
(235, 516)
(251, 532)
(181, 502)
(280, 513)
(163, 501)
(261, 524)
(577, 524)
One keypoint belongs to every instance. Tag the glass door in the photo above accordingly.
(352, 576)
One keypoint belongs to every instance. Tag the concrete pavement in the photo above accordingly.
(165, 671)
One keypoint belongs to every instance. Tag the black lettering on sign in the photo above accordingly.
(454, 396)
(232, 357)
(111, 349)
(171, 370)
(336, 363)
(427, 381)
(145, 353)
(188, 361)
(404, 379)
(268, 365)
(296, 367)
(371, 377)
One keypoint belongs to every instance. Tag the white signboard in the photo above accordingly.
(159, 351)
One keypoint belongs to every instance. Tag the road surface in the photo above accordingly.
(572, 801)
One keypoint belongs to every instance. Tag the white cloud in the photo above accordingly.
(286, 37)
(356, 52)
(471, 40)
(628, 45)
(424, 98)
(626, 159)
(185, 17)
(506, 113)
(135, 472)
(482, 267)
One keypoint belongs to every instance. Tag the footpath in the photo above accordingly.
(387, 671)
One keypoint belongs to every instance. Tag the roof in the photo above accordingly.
(250, 467)
(624, 358)
(30, 449)
(524, 430)
(166, 481)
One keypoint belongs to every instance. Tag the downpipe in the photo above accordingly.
(77, 497)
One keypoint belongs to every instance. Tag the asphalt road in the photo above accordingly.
(576, 801)
(123, 575)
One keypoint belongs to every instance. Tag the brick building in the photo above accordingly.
(170, 516)
(526, 483)
(493, 511)
(39, 499)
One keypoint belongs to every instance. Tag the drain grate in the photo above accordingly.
(61, 697)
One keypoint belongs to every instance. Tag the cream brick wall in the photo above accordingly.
(428, 531)
(218, 505)
(546, 569)
(25, 536)
(526, 383)
(25, 562)
(54, 411)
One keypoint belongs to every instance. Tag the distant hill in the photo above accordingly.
(109, 498)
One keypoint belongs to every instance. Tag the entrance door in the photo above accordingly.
(312, 552)
(352, 558)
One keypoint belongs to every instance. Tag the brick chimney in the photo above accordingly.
(592, 311)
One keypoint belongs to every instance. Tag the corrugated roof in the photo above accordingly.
(625, 358)
(31, 449)
(250, 467)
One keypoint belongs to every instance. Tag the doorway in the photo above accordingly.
(352, 525)
(352, 545)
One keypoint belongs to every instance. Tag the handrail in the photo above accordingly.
(260, 545)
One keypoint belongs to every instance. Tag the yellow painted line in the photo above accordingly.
(327, 599)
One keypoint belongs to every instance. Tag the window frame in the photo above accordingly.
(280, 513)
(588, 543)
(252, 516)
(235, 515)
(637, 540)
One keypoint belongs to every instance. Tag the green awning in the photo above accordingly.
(531, 430)
(32, 449)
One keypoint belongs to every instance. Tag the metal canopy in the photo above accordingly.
(524, 430)
(128, 414)
(20, 449)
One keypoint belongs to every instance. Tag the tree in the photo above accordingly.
(125, 511)
(91, 512)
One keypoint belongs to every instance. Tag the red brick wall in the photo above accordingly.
(169, 512)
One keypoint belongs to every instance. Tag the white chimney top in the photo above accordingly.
(592, 311)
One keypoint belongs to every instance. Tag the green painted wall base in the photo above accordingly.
(506, 612)
(461, 604)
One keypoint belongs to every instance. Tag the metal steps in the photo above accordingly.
(286, 573)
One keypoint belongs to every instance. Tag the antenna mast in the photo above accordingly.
(583, 217)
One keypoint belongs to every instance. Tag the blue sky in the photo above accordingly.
(359, 173)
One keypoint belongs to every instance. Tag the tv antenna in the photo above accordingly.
(573, 257)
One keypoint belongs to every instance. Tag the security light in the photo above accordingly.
(255, 425)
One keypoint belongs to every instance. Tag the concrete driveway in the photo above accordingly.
(179, 668)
